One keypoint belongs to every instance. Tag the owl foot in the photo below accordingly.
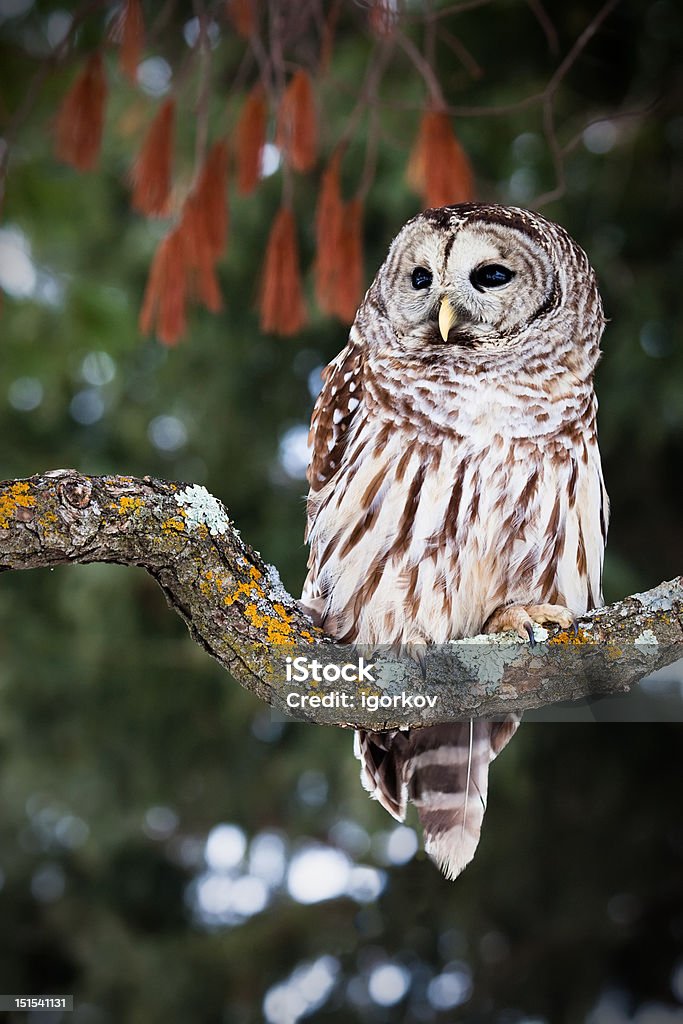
(521, 618)
(415, 652)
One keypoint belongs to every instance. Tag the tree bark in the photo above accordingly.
(236, 608)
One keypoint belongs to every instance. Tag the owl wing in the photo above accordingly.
(336, 405)
(335, 410)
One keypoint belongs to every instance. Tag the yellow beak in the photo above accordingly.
(447, 317)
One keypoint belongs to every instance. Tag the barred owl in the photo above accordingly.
(455, 477)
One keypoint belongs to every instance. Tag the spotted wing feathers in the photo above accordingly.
(340, 397)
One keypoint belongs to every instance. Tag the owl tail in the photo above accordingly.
(443, 770)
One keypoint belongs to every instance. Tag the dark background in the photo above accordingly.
(168, 852)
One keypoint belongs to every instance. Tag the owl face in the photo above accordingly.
(472, 276)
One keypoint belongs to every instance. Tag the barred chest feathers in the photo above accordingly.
(476, 493)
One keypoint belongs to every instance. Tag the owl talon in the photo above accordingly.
(419, 655)
(556, 614)
(520, 618)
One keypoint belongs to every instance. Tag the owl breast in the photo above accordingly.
(439, 513)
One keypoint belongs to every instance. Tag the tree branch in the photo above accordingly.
(237, 609)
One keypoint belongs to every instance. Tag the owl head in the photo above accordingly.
(484, 277)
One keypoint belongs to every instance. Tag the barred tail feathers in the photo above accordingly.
(381, 770)
(443, 770)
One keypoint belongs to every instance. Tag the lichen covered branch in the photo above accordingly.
(237, 609)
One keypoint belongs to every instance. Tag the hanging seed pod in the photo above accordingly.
(199, 256)
(130, 33)
(243, 15)
(328, 221)
(79, 124)
(166, 293)
(151, 172)
(251, 137)
(438, 169)
(297, 129)
(282, 302)
(211, 195)
(348, 290)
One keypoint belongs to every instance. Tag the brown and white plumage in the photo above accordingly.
(455, 477)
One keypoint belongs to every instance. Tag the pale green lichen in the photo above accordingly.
(487, 655)
(202, 509)
(276, 589)
(661, 598)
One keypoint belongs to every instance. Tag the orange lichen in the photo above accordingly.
(49, 523)
(127, 504)
(174, 524)
(251, 588)
(570, 639)
(16, 496)
(277, 627)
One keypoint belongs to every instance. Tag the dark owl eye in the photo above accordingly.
(492, 275)
(421, 278)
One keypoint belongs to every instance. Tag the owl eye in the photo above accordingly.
(492, 275)
(421, 278)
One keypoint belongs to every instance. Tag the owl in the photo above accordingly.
(455, 477)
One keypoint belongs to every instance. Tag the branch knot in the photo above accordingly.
(75, 493)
